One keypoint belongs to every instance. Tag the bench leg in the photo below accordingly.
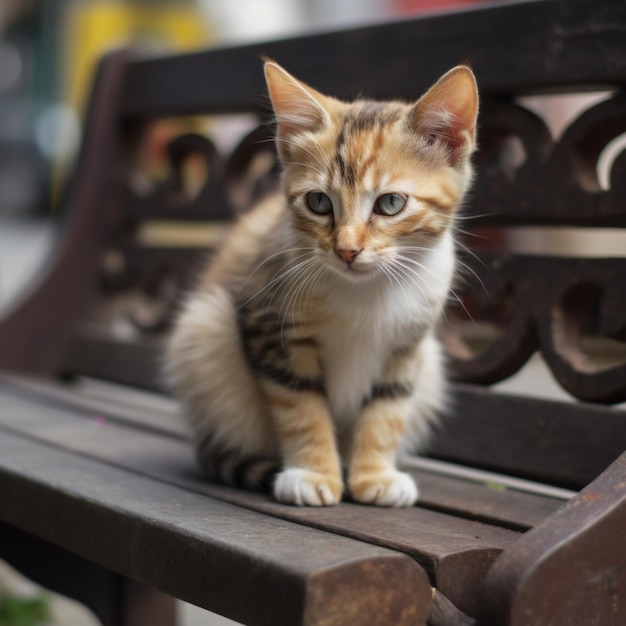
(115, 600)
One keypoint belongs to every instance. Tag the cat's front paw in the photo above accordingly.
(307, 488)
(390, 488)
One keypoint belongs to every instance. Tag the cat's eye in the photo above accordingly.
(319, 203)
(389, 204)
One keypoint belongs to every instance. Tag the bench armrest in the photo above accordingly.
(571, 569)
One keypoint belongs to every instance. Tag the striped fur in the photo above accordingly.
(308, 350)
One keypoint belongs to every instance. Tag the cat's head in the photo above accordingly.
(369, 183)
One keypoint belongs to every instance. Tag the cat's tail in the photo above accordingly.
(234, 468)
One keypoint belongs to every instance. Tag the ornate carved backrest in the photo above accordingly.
(545, 302)
(176, 185)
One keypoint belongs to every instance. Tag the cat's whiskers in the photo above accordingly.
(418, 264)
(306, 289)
(412, 248)
(309, 165)
(426, 269)
(473, 273)
(469, 218)
(417, 274)
(279, 253)
(294, 143)
(469, 251)
(275, 279)
(296, 290)
(324, 164)
(296, 285)
(287, 278)
(410, 274)
(393, 278)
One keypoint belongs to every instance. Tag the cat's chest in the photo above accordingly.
(354, 355)
(352, 362)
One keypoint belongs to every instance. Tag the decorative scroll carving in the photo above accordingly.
(252, 169)
(144, 283)
(567, 309)
(557, 183)
(560, 307)
(152, 283)
(168, 199)
(231, 185)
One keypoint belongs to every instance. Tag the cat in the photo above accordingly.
(308, 350)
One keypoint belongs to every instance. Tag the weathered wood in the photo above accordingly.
(566, 444)
(444, 613)
(449, 548)
(553, 303)
(550, 44)
(204, 551)
(482, 501)
(95, 397)
(115, 600)
(34, 333)
(489, 502)
(571, 569)
(130, 362)
(557, 181)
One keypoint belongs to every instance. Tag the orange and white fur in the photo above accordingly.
(308, 351)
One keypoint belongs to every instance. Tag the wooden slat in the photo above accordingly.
(101, 399)
(136, 363)
(201, 550)
(448, 547)
(561, 443)
(485, 499)
(548, 44)
(488, 502)
(496, 480)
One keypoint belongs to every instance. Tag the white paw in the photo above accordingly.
(393, 488)
(306, 488)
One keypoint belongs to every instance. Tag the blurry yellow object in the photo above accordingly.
(93, 27)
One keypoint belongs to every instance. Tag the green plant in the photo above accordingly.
(19, 611)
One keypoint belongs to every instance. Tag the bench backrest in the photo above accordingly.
(152, 191)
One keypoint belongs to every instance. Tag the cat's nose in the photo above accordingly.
(347, 256)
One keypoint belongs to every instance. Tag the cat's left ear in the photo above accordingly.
(298, 107)
(447, 112)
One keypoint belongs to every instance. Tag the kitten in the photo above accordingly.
(309, 345)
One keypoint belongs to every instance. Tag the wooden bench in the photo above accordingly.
(522, 517)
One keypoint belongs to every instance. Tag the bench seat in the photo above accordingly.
(522, 504)
(460, 527)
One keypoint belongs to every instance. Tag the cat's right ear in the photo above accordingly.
(298, 107)
(447, 113)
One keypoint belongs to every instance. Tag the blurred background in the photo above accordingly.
(48, 51)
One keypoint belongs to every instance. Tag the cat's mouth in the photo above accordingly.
(354, 271)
